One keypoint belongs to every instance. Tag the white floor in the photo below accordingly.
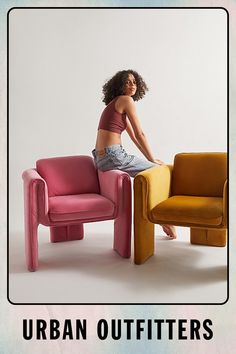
(89, 271)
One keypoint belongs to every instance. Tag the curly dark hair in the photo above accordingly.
(115, 86)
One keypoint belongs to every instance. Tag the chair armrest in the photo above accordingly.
(152, 186)
(225, 204)
(113, 184)
(35, 194)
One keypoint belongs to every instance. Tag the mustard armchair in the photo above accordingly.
(191, 193)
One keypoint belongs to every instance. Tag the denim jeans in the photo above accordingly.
(114, 157)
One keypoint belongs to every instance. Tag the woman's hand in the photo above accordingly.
(159, 162)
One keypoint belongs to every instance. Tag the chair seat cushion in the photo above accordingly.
(83, 207)
(183, 210)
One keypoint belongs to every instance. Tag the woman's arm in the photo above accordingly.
(130, 131)
(134, 128)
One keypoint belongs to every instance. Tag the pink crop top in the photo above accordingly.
(112, 120)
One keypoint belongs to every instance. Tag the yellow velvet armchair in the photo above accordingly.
(191, 193)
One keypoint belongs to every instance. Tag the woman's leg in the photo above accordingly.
(170, 231)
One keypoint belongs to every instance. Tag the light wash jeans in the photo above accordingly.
(114, 157)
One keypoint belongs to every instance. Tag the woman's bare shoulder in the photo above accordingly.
(125, 100)
(124, 104)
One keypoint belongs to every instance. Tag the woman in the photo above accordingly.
(120, 114)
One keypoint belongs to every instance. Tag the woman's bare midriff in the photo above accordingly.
(106, 138)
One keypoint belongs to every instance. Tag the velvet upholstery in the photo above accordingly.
(68, 175)
(66, 192)
(191, 193)
(199, 174)
(187, 210)
(80, 207)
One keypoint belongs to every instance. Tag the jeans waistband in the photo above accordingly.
(107, 149)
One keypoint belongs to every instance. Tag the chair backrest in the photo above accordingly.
(69, 175)
(199, 174)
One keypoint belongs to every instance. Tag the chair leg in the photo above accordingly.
(31, 245)
(67, 233)
(122, 224)
(143, 228)
(143, 239)
(208, 237)
(122, 235)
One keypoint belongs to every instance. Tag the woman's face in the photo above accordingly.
(130, 86)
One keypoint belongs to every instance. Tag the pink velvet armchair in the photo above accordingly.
(66, 192)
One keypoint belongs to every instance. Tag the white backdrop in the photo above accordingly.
(60, 58)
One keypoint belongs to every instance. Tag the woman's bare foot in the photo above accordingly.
(170, 231)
